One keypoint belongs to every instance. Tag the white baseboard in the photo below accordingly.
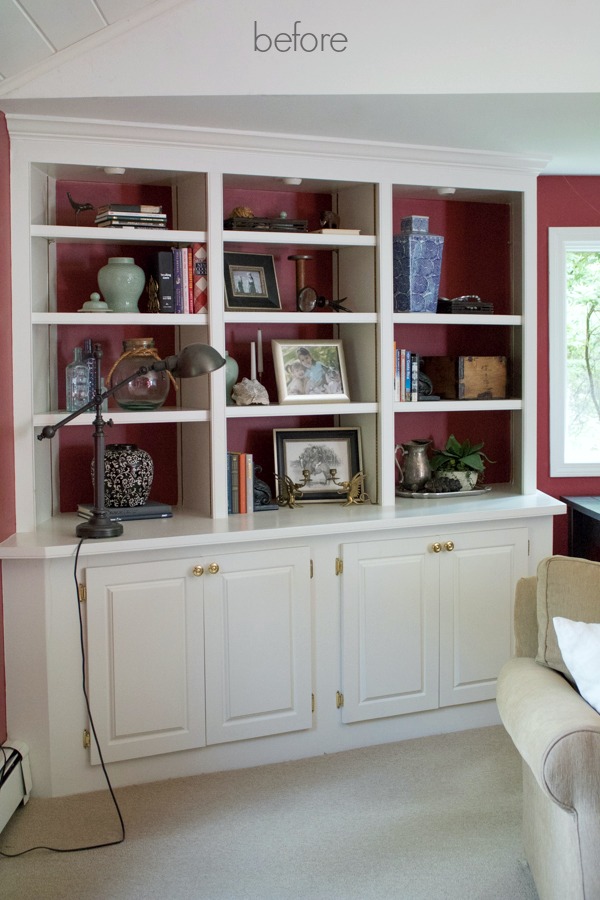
(14, 763)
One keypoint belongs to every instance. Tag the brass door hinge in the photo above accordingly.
(82, 593)
(339, 699)
(86, 739)
(312, 569)
(339, 566)
(312, 702)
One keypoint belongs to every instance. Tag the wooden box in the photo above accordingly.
(467, 377)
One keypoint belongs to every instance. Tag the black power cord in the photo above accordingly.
(9, 762)
(120, 839)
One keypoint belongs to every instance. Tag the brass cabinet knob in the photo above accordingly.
(198, 571)
(213, 568)
(437, 547)
(449, 546)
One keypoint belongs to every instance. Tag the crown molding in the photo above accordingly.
(51, 128)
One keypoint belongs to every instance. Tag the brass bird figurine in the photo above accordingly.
(289, 492)
(354, 489)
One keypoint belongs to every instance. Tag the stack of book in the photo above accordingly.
(181, 279)
(131, 215)
(152, 509)
(406, 375)
(240, 482)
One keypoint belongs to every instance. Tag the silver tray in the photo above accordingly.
(424, 495)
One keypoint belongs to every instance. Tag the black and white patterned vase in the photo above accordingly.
(128, 473)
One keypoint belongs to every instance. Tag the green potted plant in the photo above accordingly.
(458, 466)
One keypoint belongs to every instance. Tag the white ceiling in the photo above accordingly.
(564, 127)
(33, 31)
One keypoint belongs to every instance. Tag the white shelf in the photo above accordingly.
(430, 406)
(456, 319)
(301, 409)
(105, 318)
(299, 239)
(74, 234)
(126, 417)
(55, 537)
(300, 318)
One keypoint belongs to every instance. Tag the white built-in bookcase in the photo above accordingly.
(367, 183)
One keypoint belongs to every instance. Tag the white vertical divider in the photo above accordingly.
(525, 476)
(27, 460)
(385, 342)
(218, 420)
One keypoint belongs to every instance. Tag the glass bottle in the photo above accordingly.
(77, 382)
(90, 361)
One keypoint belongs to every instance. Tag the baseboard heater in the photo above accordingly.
(15, 778)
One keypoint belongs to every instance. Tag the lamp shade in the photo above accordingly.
(193, 360)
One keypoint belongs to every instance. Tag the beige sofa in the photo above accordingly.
(556, 732)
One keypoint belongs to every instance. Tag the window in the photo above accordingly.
(574, 296)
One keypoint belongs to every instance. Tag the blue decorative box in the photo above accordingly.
(417, 267)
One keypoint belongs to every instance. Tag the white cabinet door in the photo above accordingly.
(390, 628)
(145, 658)
(427, 622)
(477, 586)
(258, 644)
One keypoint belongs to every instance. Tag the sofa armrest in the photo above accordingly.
(556, 732)
(525, 617)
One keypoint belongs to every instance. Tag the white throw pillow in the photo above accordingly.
(579, 644)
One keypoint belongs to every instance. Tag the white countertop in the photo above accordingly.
(56, 537)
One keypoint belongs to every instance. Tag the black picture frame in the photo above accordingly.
(318, 450)
(250, 282)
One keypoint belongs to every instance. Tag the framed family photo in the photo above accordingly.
(250, 282)
(318, 451)
(312, 371)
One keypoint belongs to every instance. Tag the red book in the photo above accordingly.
(200, 279)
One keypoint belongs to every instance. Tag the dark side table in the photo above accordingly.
(584, 526)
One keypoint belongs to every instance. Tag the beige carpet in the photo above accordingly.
(432, 818)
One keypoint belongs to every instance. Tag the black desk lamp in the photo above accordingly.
(194, 360)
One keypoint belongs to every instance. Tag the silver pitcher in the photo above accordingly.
(415, 471)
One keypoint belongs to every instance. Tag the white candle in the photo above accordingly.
(259, 353)
(252, 361)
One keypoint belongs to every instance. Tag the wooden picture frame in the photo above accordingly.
(319, 450)
(250, 282)
(312, 371)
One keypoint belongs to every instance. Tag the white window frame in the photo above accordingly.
(561, 241)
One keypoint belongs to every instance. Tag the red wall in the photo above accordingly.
(7, 468)
(563, 201)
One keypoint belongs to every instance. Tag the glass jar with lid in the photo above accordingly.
(143, 391)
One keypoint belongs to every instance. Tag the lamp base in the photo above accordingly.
(99, 526)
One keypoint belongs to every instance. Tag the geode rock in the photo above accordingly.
(248, 392)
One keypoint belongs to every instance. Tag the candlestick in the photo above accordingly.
(252, 361)
(259, 353)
